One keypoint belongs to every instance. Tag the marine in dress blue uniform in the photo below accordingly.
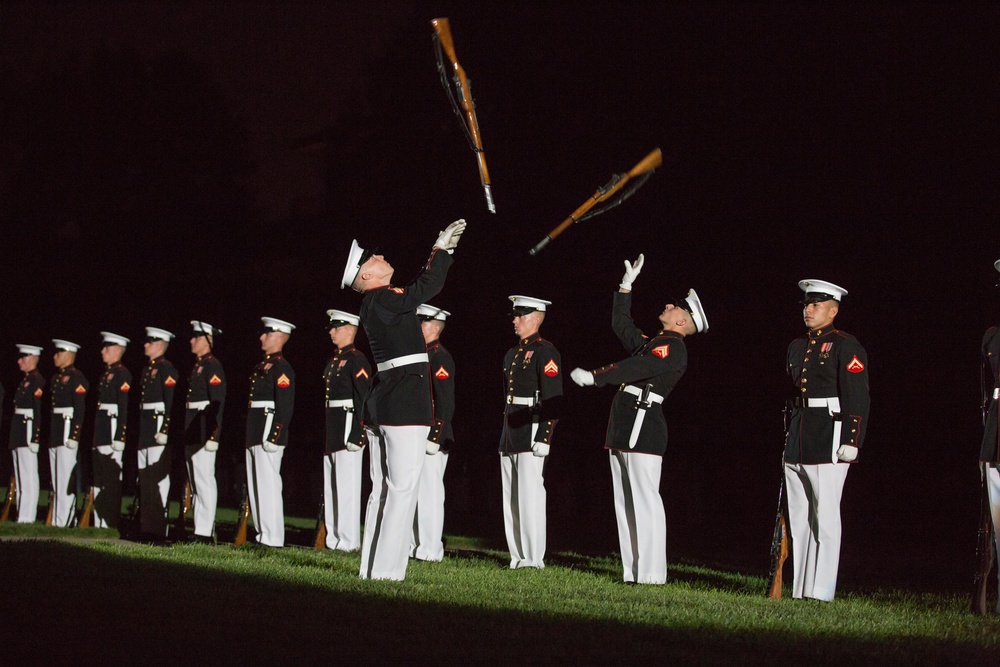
(109, 431)
(989, 451)
(68, 390)
(206, 402)
(637, 431)
(533, 390)
(347, 378)
(399, 409)
(272, 401)
(25, 431)
(829, 371)
(428, 521)
(159, 380)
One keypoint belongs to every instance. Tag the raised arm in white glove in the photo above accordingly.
(582, 377)
(72, 444)
(448, 239)
(847, 453)
(631, 273)
(540, 449)
(211, 445)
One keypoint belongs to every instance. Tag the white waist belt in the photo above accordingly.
(25, 412)
(833, 403)
(635, 391)
(341, 403)
(268, 408)
(197, 405)
(110, 408)
(262, 404)
(406, 360)
(520, 400)
(159, 406)
(67, 413)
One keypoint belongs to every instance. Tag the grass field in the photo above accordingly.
(99, 600)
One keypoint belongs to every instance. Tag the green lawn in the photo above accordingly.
(111, 602)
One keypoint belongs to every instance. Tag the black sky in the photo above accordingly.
(851, 143)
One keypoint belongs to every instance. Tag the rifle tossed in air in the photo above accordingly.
(461, 101)
(607, 193)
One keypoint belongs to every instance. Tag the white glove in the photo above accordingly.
(211, 446)
(118, 445)
(582, 377)
(433, 447)
(351, 447)
(448, 239)
(33, 447)
(72, 444)
(160, 438)
(631, 272)
(847, 453)
(269, 446)
(540, 449)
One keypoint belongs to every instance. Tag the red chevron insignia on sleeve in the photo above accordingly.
(662, 351)
(215, 379)
(360, 373)
(855, 365)
(551, 369)
(80, 389)
(169, 382)
(441, 373)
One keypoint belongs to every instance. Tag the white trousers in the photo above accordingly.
(524, 508)
(342, 499)
(264, 489)
(154, 487)
(103, 479)
(642, 521)
(201, 471)
(993, 488)
(26, 474)
(62, 466)
(426, 542)
(397, 456)
(814, 493)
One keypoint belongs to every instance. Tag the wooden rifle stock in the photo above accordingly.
(617, 182)
(48, 515)
(88, 509)
(779, 549)
(11, 497)
(319, 539)
(984, 550)
(779, 538)
(185, 507)
(442, 31)
(241, 520)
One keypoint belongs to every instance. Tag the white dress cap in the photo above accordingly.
(526, 304)
(821, 288)
(340, 317)
(275, 324)
(353, 264)
(65, 345)
(162, 334)
(114, 339)
(33, 350)
(199, 327)
(427, 312)
(697, 311)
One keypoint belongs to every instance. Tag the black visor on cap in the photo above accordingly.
(816, 297)
(517, 311)
(22, 355)
(337, 323)
(152, 339)
(63, 349)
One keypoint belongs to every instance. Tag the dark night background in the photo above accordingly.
(166, 162)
